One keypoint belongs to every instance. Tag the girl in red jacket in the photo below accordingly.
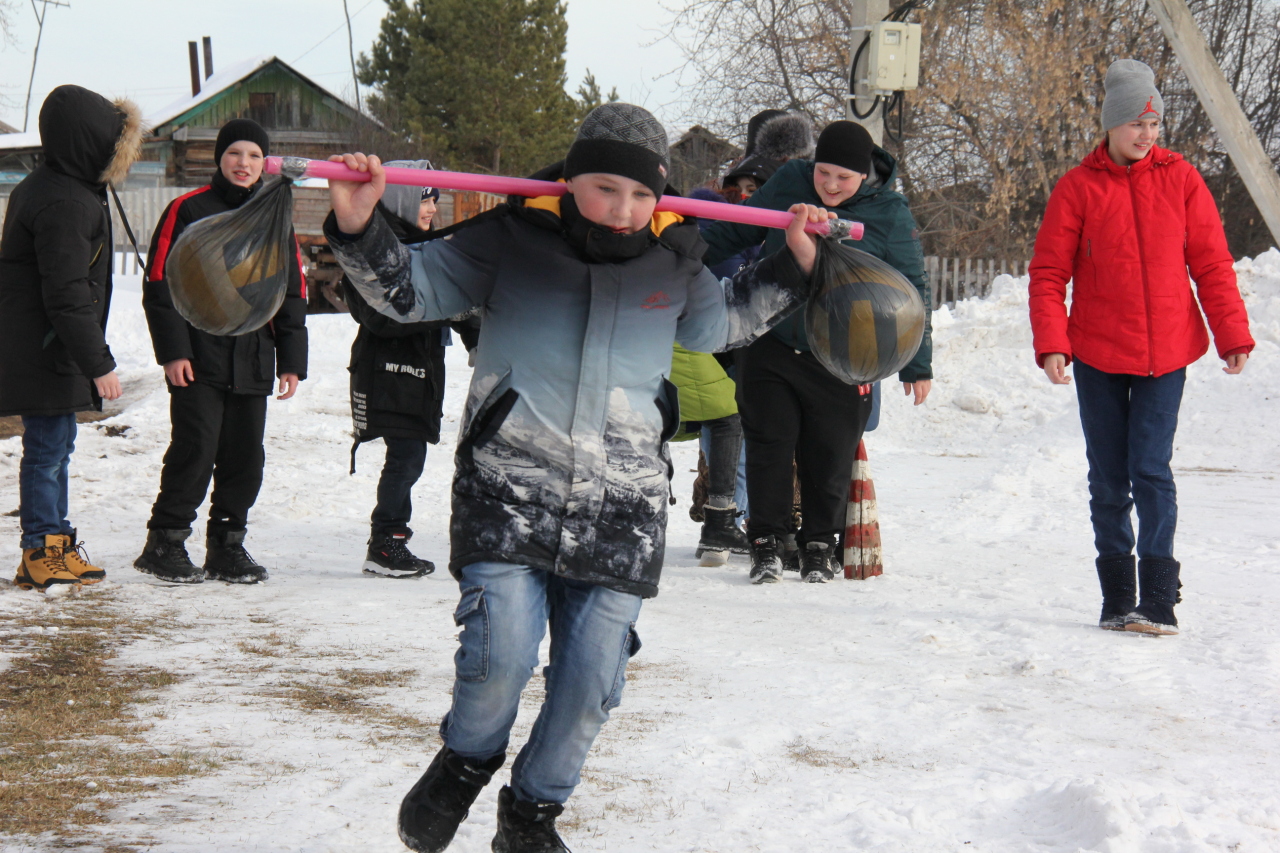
(1125, 227)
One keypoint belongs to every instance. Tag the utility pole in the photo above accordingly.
(1237, 135)
(864, 13)
(40, 14)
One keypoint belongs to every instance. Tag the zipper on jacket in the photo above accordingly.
(1146, 286)
(1089, 247)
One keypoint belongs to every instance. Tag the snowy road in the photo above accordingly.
(964, 701)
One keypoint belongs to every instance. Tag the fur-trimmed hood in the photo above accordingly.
(87, 137)
(785, 137)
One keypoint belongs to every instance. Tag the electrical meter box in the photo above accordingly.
(893, 57)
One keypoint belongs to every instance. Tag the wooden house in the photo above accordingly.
(700, 156)
(303, 118)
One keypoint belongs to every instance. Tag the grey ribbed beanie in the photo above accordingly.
(621, 139)
(1131, 93)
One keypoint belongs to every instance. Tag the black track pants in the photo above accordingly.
(215, 434)
(792, 407)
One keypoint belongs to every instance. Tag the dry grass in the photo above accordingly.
(347, 692)
(71, 742)
(805, 753)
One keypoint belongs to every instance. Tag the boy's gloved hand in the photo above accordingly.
(353, 202)
(804, 247)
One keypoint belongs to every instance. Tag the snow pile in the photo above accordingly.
(962, 701)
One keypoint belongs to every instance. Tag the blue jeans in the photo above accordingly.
(504, 612)
(402, 468)
(740, 490)
(47, 443)
(1129, 423)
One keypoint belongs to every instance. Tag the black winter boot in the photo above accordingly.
(766, 567)
(226, 559)
(1119, 590)
(389, 556)
(721, 534)
(1159, 585)
(432, 810)
(165, 556)
(817, 562)
(527, 827)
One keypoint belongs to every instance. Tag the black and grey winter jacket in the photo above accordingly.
(561, 461)
(241, 364)
(55, 256)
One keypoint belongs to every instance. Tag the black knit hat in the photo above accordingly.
(757, 168)
(621, 139)
(239, 129)
(845, 144)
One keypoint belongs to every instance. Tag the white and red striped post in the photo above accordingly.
(862, 552)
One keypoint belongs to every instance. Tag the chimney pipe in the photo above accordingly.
(194, 55)
(208, 57)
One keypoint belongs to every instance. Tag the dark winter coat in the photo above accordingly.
(562, 462)
(397, 369)
(242, 364)
(1126, 238)
(55, 256)
(891, 235)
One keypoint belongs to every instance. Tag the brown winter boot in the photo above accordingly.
(77, 560)
(44, 567)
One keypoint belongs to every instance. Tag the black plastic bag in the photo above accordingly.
(228, 273)
(864, 319)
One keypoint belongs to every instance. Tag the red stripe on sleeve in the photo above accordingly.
(160, 251)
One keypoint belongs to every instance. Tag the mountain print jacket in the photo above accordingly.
(561, 460)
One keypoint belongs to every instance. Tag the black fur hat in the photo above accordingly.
(785, 137)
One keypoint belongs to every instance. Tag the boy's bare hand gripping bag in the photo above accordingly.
(864, 319)
(228, 273)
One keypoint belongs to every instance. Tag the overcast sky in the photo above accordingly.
(138, 48)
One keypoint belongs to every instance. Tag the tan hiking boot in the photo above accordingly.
(77, 560)
(41, 568)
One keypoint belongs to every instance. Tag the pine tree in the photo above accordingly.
(478, 84)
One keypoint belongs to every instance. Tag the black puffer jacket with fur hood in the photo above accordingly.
(55, 256)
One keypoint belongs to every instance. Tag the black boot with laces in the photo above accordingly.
(432, 810)
(526, 827)
(226, 559)
(389, 556)
(766, 566)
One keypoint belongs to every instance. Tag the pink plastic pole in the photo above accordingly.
(297, 168)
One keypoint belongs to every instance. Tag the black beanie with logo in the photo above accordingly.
(240, 130)
(845, 144)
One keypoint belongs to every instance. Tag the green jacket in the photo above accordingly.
(706, 391)
(891, 235)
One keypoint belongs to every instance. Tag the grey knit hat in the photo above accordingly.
(1131, 94)
(621, 139)
(405, 201)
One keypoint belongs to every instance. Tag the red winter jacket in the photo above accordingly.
(1126, 238)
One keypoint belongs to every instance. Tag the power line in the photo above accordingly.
(336, 30)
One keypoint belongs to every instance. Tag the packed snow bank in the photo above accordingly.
(964, 701)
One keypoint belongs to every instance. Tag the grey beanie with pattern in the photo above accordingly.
(1131, 94)
(621, 139)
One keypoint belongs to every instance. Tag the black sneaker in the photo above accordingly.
(165, 556)
(766, 567)
(226, 559)
(817, 562)
(526, 827)
(389, 556)
(432, 810)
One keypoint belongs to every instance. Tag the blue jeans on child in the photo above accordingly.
(504, 612)
(1129, 423)
(47, 443)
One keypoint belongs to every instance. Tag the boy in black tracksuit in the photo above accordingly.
(218, 386)
(397, 390)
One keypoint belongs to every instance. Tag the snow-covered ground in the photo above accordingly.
(964, 701)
